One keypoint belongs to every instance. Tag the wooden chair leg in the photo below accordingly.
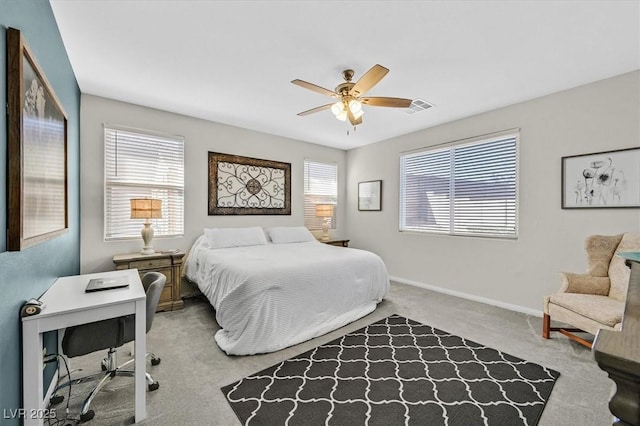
(546, 325)
(547, 329)
(575, 338)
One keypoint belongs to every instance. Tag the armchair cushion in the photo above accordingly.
(602, 309)
(583, 283)
(600, 250)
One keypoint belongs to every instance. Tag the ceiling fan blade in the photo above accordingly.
(387, 102)
(369, 79)
(352, 118)
(315, 88)
(316, 109)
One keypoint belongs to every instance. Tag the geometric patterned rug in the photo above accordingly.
(395, 372)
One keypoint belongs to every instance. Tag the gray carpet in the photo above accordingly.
(193, 368)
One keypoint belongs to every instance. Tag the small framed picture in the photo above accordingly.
(370, 195)
(608, 179)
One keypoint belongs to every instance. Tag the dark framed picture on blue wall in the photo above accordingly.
(37, 196)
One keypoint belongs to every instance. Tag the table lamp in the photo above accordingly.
(325, 211)
(146, 208)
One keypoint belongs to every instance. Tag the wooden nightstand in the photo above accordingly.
(339, 243)
(169, 264)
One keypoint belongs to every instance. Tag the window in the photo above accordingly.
(320, 187)
(142, 165)
(466, 189)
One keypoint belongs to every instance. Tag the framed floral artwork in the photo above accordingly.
(609, 179)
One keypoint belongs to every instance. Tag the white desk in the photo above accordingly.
(67, 304)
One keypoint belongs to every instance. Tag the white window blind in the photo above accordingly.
(469, 189)
(320, 187)
(141, 165)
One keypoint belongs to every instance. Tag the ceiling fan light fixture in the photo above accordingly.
(342, 116)
(337, 108)
(358, 114)
(355, 106)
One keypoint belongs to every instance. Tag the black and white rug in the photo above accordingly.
(395, 372)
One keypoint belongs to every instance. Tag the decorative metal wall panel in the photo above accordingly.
(243, 185)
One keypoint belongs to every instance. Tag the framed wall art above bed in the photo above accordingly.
(248, 186)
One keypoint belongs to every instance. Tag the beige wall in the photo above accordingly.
(200, 137)
(516, 274)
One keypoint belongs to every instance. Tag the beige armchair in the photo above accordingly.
(595, 300)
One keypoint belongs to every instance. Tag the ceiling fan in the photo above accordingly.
(348, 95)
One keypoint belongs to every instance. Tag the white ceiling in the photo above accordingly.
(232, 61)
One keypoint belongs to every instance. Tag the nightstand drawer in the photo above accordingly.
(149, 263)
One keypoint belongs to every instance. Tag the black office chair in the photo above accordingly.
(110, 334)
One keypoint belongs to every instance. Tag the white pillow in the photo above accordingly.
(235, 237)
(290, 234)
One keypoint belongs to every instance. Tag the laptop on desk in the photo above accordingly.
(100, 284)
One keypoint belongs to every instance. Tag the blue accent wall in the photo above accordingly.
(28, 273)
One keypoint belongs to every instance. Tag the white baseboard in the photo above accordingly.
(468, 296)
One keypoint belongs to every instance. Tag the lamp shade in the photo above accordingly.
(146, 208)
(324, 210)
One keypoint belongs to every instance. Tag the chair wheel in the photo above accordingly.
(56, 399)
(87, 416)
(153, 386)
(155, 361)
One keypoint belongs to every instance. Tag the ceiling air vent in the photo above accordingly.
(418, 105)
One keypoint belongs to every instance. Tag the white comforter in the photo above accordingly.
(269, 297)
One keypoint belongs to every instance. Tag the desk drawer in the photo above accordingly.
(149, 263)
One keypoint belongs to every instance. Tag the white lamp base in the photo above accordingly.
(147, 237)
(325, 230)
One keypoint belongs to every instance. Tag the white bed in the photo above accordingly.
(271, 296)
